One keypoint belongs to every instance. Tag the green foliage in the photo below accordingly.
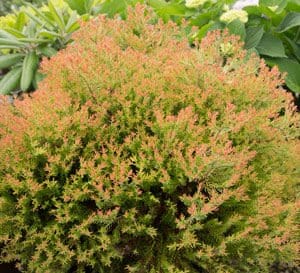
(149, 156)
(35, 33)
(83, 6)
(278, 40)
(6, 6)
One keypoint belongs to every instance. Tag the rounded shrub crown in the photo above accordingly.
(140, 154)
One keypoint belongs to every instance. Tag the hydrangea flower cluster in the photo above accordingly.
(234, 14)
(195, 3)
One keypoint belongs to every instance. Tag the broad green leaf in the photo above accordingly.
(172, 9)
(293, 5)
(270, 3)
(236, 27)
(112, 7)
(9, 60)
(201, 19)
(270, 45)
(295, 47)
(157, 4)
(253, 10)
(29, 67)
(253, 36)
(78, 5)
(10, 81)
(272, 7)
(293, 72)
(291, 20)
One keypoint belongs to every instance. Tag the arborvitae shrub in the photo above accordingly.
(140, 154)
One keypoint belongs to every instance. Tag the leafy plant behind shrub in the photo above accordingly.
(273, 30)
(149, 156)
(35, 33)
(6, 6)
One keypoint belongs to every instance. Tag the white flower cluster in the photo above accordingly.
(194, 3)
(233, 14)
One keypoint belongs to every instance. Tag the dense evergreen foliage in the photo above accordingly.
(149, 156)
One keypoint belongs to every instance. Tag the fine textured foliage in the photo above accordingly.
(149, 156)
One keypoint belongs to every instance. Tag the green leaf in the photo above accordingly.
(78, 5)
(6, 35)
(28, 70)
(253, 36)
(270, 3)
(253, 10)
(112, 7)
(88, 5)
(15, 32)
(201, 19)
(41, 15)
(295, 47)
(35, 18)
(37, 78)
(21, 21)
(291, 20)
(236, 27)
(7, 42)
(272, 7)
(56, 15)
(290, 67)
(157, 4)
(50, 34)
(10, 81)
(34, 40)
(270, 45)
(293, 69)
(47, 51)
(293, 5)
(172, 10)
(10, 60)
(203, 30)
(72, 24)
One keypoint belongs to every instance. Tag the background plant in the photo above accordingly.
(149, 156)
(35, 33)
(7, 6)
(273, 30)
